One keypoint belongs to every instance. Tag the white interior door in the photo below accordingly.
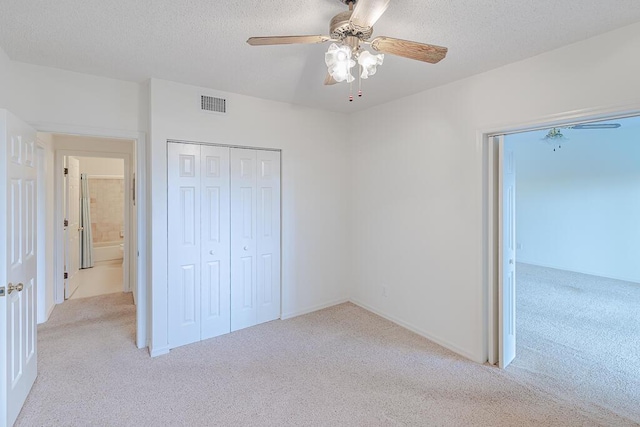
(18, 254)
(244, 296)
(72, 260)
(184, 265)
(268, 233)
(507, 256)
(215, 239)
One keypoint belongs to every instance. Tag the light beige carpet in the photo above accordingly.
(342, 366)
(580, 335)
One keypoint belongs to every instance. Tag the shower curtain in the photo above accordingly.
(86, 242)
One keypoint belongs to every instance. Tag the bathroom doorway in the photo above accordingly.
(95, 217)
(95, 236)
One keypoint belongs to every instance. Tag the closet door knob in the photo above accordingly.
(246, 248)
(211, 252)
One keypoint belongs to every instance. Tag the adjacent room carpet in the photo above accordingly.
(342, 366)
(580, 335)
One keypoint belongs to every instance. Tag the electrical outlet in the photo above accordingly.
(384, 291)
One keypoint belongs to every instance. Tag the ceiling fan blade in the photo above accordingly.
(328, 81)
(597, 126)
(366, 13)
(268, 41)
(412, 50)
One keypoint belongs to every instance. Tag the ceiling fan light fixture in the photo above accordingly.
(555, 134)
(369, 63)
(555, 137)
(339, 60)
(350, 31)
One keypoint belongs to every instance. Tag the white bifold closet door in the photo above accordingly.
(224, 240)
(255, 237)
(198, 252)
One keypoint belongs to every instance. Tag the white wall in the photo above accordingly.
(578, 208)
(43, 96)
(417, 180)
(101, 166)
(5, 76)
(106, 147)
(315, 255)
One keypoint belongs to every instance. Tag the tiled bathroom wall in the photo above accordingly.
(107, 209)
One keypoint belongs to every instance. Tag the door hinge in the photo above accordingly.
(66, 276)
(66, 171)
(66, 223)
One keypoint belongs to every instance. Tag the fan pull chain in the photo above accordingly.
(360, 83)
(351, 91)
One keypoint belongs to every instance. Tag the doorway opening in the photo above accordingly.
(92, 221)
(568, 277)
(95, 237)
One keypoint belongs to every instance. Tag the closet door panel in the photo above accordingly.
(215, 240)
(184, 265)
(268, 235)
(243, 239)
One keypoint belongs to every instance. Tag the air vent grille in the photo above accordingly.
(211, 103)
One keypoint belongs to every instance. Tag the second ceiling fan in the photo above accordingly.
(349, 32)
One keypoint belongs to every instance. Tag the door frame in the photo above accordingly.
(491, 218)
(41, 224)
(62, 197)
(143, 220)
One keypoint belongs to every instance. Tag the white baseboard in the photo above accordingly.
(422, 333)
(286, 316)
(155, 352)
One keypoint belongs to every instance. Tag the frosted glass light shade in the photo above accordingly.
(369, 63)
(339, 62)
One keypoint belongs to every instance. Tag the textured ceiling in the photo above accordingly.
(202, 42)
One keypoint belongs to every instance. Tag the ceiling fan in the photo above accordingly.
(350, 31)
(556, 137)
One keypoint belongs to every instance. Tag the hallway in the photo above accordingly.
(104, 278)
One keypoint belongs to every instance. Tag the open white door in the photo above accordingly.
(18, 178)
(72, 230)
(507, 255)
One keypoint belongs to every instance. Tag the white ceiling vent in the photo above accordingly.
(213, 104)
